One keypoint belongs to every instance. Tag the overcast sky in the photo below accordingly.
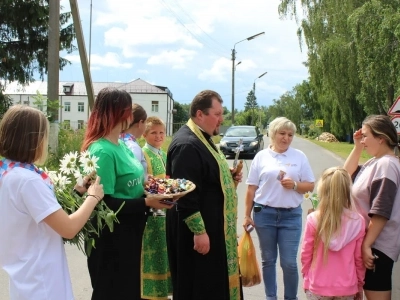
(186, 45)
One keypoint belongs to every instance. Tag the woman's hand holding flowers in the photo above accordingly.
(96, 190)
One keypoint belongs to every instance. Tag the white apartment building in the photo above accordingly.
(74, 106)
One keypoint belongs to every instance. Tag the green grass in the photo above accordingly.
(341, 149)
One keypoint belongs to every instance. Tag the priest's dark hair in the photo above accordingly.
(203, 101)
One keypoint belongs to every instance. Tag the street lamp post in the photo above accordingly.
(233, 71)
(254, 92)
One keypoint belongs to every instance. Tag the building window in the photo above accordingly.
(67, 106)
(154, 106)
(80, 124)
(67, 124)
(81, 106)
(26, 102)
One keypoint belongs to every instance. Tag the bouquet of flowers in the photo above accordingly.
(313, 197)
(73, 168)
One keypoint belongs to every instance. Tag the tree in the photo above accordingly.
(353, 57)
(5, 102)
(375, 31)
(226, 110)
(182, 114)
(24, 39)
(49, 108)
(250, 105)
(332, 60)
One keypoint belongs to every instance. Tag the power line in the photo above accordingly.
(194, 35)
(194, 22)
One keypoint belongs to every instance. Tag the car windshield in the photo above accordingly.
(240, 132)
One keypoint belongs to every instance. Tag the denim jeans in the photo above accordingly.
(279, 228)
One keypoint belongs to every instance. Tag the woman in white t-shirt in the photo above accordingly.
(278, 177)
(377, 198)
(32, 222)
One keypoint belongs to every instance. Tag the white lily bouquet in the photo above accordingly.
(313, 197)
(73, 168)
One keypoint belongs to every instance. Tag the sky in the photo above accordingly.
(186, 45)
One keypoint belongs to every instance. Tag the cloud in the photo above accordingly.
(217, 72)
(221, 70)
(109, 59)
(177, 59)
(167, 40)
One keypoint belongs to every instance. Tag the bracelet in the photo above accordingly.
(77, 192)
(96, 197)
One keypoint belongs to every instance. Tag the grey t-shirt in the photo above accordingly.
(376, 192)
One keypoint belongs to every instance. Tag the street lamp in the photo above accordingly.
(233, 71)
(254, 92)
(254, 83)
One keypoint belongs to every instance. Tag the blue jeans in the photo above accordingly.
(279, 228)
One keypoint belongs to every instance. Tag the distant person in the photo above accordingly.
(156, 278)
(279, 176)
(32, 222)
(115, 263)
(332, 265)
(201, 229)
(377, 198)
(134, 132)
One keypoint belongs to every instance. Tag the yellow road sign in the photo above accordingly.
(319, 123)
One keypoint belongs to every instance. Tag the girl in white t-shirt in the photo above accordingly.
(32, 222)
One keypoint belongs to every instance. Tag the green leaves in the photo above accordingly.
(24, 39)
(353, 58)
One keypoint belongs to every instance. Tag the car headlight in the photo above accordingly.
(222, 143)
(254, 143)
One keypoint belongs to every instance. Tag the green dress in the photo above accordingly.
(156, 278)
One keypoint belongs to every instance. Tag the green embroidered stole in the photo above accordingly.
(230, 213)
(155, 162)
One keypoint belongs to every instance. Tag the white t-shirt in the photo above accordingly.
(138, 152)
(266, 170)
(31, 252)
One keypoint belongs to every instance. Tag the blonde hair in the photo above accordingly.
(334, 193)
(278, 124)
(151, 121)
(24, 134)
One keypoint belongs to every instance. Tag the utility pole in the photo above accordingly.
(53, 59)
(82, 51)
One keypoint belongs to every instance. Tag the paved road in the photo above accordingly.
(319, 158)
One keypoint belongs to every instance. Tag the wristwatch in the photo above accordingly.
(295, 186)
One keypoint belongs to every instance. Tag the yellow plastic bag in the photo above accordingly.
(249, 268)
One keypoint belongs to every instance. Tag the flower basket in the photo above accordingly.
(169, 187)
